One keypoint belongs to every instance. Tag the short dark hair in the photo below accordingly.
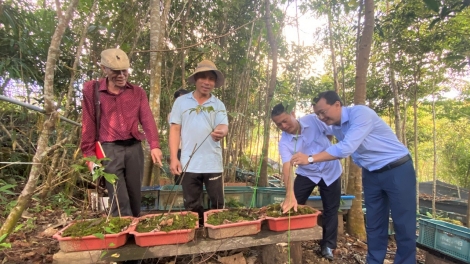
(277, 110)
(330, 96)
(180, 92)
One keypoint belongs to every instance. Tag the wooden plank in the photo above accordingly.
(199, 245)
(278, 253)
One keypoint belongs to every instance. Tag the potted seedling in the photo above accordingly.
(165, 229)
(94, 234)
(304, 217)
(233, 222)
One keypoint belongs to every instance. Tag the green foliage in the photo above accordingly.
(434, 5)
(167, 222)
(97, 227)
(98, 171)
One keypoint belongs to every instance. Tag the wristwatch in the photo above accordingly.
(310, 159)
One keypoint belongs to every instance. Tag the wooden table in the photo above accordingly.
(272, 251)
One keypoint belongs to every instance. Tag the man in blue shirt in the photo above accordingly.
(388, 175)
(199, 121)
(308, 135)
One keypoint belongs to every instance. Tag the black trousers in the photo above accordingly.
(330, 196)
(127, 162)
(192, 191)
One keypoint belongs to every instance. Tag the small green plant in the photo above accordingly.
(232, 203)
(148, 200)
(98, 171)
(4, 236)
(4, 244)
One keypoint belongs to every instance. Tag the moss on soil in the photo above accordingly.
(89, 227)
(233, 216)
(275, 210)
(167, 223)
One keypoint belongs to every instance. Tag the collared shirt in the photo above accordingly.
(195, 132)
(311, 140)
(120, 116)
(367, 138)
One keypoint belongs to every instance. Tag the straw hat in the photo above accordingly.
(115, 59)
(207, 65)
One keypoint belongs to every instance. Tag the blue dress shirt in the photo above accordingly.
(311, 140)
(367, 138)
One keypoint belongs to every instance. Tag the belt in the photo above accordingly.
(393, 164)
(126, 142)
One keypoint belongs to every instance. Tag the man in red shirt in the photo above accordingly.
(123, 106)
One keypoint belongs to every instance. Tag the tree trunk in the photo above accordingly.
(269, 96)
(42, 145)
(415, 126)
(182, 38)
(364, 52)
(355, 225)
(332, 47)
(157, 35)
(434, 167)
(396, 99)
(76, 62)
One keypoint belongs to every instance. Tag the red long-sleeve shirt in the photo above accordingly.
(120, 116)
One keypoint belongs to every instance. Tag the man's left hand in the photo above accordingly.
(299, 159)
(157, 156)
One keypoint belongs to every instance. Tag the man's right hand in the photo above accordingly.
(91, 166)
(175, 167)
(289, 202)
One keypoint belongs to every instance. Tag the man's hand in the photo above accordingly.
(175, 167)
(289, 202)
(217, 134)
(299, 159)
(157, 156)
(91, 166)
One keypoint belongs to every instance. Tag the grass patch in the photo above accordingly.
(167, 223)
(83, 228)
(234, 216)
(275, 210)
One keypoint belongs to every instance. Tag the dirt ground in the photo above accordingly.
(33, 243)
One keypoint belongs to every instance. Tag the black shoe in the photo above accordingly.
(327, 253)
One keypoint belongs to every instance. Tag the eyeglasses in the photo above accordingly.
(118, 72)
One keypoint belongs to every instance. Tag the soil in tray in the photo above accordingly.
(235, 216)
(167, 223)
(275, 210)
(89, 227)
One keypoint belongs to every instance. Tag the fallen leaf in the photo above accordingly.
(49, 232)
(234, 259)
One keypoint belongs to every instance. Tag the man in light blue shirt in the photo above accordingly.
(388, 175)
(308, 135)
(199, 120)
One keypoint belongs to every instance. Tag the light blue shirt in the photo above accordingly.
(312, 140)
(367, 138)
(195, 127)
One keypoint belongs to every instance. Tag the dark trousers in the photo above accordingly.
(393, 190)
(330, 197)
(127, 162)
(192, 184)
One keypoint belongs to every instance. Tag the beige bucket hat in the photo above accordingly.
(115, 59)
(207, 65)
